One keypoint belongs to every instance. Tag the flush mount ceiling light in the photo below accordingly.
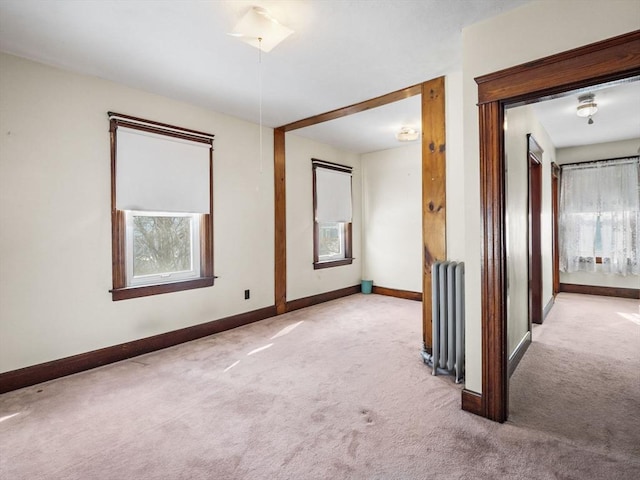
(587, 107)
(259, 29)
(407, 134)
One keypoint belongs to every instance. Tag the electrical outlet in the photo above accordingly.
(247, 294)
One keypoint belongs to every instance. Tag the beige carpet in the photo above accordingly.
(580, 379)
(336, 391)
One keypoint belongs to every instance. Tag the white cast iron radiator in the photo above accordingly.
(447, 287)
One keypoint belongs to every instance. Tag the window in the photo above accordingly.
(599, 209)
(162, 222)
(162, 247)
(332, 214)
(331, 241)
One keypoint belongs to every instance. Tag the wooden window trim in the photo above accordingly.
(120, 290)
(348, 227)
(348, 243)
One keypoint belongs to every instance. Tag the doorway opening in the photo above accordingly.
(433, 174)
(602, 62)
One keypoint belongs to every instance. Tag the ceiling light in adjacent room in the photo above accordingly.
(587, 107)
(259, 29)
(407, 134)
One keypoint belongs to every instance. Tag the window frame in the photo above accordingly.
(599, 257)
(120, 290)
(340, 227)
(347, 227)
(168, 277)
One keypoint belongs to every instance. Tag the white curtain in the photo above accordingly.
(599, 217)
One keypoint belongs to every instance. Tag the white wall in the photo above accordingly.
(546, 211)
(392, 217)
(517, 223)
(302, 279)
(533, 31)
(586, 153)
(392, 212)
(55, 240)
(456, 230)
(56, 264)
(520, 122)
(599, 151)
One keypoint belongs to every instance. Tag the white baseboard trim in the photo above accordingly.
(547, 307)
(518, 353)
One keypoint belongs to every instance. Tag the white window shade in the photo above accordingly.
(161, 173)
(333, 196)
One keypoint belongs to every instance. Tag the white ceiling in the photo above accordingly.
(368, 131)
(342, 52)
(617, 118)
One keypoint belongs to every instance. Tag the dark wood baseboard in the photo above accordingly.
(517, 355)
(392, 292)
(472, 402)
(321, 298)
(43, 372)
(597, 290)
(25, 377)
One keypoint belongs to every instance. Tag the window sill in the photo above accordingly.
(332, 263)
(148, 290)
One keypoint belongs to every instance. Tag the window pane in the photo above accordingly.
(161, 245)
(330, 240)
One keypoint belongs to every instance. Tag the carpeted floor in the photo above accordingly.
(580, 379)
(337, 391)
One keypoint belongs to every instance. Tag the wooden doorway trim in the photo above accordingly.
(597, 63)
(355, 108)
(434, 196)
(433, 185)
(555, 245)
(534, 160)
(280, 216)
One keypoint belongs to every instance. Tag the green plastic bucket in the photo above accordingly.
(366, 286)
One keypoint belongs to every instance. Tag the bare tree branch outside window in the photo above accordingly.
(161, 245)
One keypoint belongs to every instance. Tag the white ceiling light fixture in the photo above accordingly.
(587, 107)
(259, 29)
(407, 134)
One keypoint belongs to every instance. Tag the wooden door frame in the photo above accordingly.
(597, 63)
(534, 200)
(433, 186)
(555, 246)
